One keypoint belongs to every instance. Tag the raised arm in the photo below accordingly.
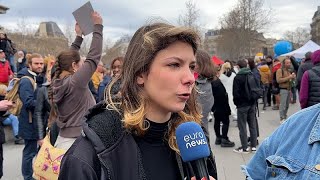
(82, 77)
(78, 41)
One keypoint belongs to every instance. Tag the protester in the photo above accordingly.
(42, 111)
(9, 119)
(71, 94)
(227, 75)
(265, 81)
(269, 60)
(285, 79)
(310, 83)
(275, 85)
(102, 86)
(116, 69)
(158, 94)
(291, 152)
(21, 61)
(28, 86)
(302, 68)
(97, 76)
(205, 69)
(5, 71)
(4, 106)
(221, 111)
(246, 109)
(9, 49)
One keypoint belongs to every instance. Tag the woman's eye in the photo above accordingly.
(192, 67)
(174, 65)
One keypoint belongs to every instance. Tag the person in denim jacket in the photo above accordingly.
(292, 151)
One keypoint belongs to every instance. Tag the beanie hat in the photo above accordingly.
(315, 57)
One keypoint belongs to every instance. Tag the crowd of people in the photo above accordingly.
(120, 122)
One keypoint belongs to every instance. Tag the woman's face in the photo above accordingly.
(78, 65)
(2, 36)
(170, 80)
(116, 68)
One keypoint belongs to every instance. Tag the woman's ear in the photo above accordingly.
(141, 79)
(74, 65)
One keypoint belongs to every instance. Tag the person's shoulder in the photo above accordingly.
(303, 118)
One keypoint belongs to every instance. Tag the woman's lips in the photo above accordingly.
(184, 96)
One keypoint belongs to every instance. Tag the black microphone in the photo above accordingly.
(194, 148)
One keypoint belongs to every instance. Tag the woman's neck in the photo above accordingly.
(158, 116)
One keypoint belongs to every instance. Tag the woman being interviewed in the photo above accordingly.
(137, 141)
(71, 94)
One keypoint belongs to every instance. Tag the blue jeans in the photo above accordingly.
(12, 64)
(14, 122)
(29, 152)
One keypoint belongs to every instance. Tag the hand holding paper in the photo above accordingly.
(96, 18)
(78, 30)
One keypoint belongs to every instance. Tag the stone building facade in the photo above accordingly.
(315, 26)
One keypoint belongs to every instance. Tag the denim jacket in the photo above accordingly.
(291, 152)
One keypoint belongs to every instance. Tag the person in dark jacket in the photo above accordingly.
(8, 47)
(102, 86)
(114, 85)
(306, 65)
(42, 111)
(136, 140)
(246, 109)
(21, 61)
(27, 124)
(310, 83)
(221, 111)
(4, 106)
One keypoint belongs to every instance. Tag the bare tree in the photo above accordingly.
(240, 27)
(298, 37)
(24, 29)
(118, 49)
(191, 18)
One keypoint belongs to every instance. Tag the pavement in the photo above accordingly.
(228, 162)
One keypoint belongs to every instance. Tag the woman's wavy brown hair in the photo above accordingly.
(143, 47)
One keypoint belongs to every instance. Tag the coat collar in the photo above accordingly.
(315, 132)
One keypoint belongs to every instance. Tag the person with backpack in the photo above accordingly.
(29, 82)
(310, 83)
(205, 69)
(285, 79)
(245, 97)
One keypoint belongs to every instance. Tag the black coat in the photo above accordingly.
(42, 110)
(107, 151)
(240, 97)
(221, 102)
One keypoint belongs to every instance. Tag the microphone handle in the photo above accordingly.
(201, 170)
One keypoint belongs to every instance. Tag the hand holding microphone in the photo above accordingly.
(193, 146)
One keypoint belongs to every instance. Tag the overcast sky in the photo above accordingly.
(125, 16)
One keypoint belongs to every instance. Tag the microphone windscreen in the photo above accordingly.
(192, 142)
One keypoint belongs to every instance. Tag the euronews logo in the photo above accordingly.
(194, 139)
